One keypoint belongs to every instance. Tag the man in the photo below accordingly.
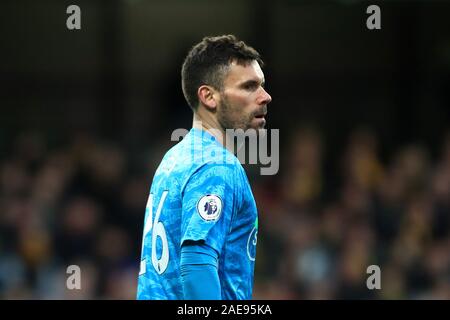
(201, 220)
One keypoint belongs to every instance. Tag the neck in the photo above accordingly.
(210, 125)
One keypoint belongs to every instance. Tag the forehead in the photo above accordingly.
(239, 73)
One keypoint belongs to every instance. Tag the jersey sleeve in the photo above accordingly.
(208, 204)
(199, 272)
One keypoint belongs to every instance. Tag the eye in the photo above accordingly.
(251, 86)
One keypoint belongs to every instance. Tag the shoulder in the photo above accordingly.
(216, 172)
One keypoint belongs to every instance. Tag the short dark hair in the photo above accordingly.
(208, 62)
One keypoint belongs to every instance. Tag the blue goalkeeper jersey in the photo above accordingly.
(200, 191)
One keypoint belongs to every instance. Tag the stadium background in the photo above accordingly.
(364, 135)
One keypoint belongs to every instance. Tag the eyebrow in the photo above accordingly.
(252, 81)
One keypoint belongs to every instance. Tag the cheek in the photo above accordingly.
(241, 104)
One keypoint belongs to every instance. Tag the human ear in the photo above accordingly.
(206, 97)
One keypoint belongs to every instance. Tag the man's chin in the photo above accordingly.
(255, 128)
(258, 123)
(255, 124)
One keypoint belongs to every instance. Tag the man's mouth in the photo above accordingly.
(260, 119)
(261, 115)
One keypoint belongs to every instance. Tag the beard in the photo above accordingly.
(229, 119)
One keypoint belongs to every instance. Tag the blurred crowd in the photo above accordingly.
(322, 221)
(327, 220)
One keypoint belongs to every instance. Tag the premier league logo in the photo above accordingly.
(209, 207)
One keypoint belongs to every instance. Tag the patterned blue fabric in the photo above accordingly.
(199, 192)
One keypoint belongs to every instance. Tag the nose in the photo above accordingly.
(265, 97)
